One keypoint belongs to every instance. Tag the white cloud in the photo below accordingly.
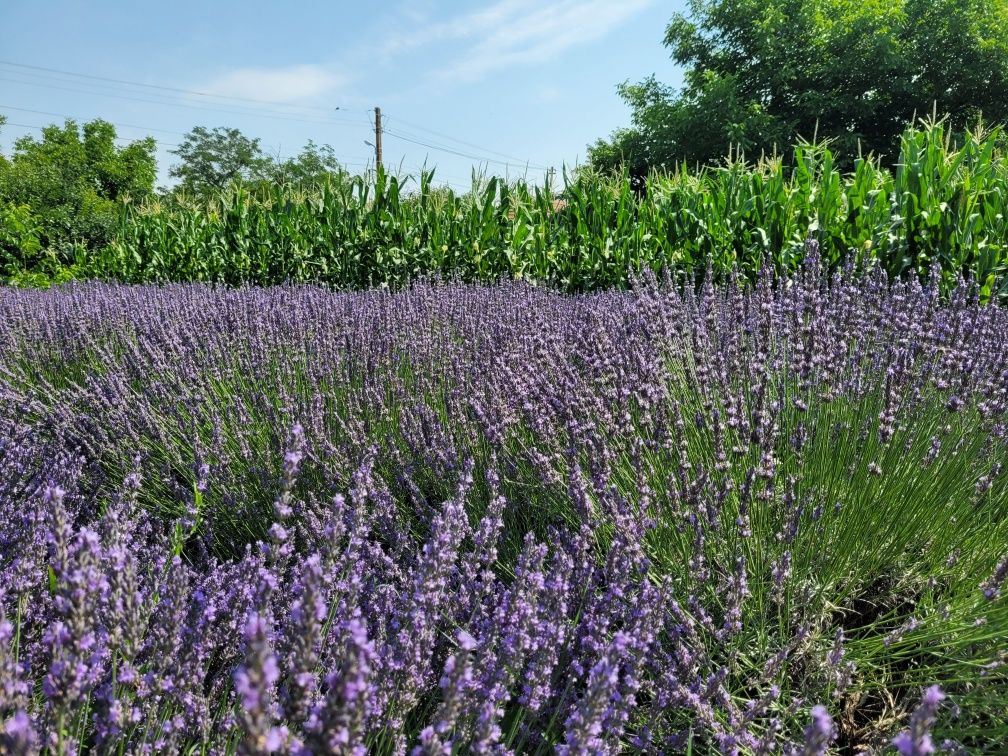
(514, 32)
(290, 84)
(423, 31)
(548, 94)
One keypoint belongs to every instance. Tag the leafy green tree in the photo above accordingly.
(314, 163)
(64, 190)
(213, 159)
(760, 74)
(19, 238)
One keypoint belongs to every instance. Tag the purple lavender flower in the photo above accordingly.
(13, 687)
(338, 724)
(819, 734)
(561, 516)
(301, 641)
(77, 646)
(455, 683)
(992, 586)
(254, 683)
(916, 741)
(780, 572)
(583, 730)
(18, 735)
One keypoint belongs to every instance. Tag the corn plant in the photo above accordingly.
(944, 203)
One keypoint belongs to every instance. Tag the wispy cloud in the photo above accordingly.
(514, 32)
(289, 84)
(548, 94)
(423, 30)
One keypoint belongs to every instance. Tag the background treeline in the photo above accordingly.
(65, 196)
(760, 74)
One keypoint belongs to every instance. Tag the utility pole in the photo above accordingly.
(377, 137)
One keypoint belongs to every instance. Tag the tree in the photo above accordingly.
(65, 189)
(214, 159)
(760, 74)
(314, 163)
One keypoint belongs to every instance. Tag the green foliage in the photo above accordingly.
(36, 279)
(214, 159)
(66, 190)
(761, 73)
(19, 237)
(314, 163)
(944, 203)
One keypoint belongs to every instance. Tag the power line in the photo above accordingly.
(64, 115)
(214, 107)
(442, 148)
(523, 164)
(120, 96)
(514, 162)
(459, 187)
(191, 92)
(169, 100)
(127, 139)
(468, 144)
(118, 138)
(439, 176)
(260, 112)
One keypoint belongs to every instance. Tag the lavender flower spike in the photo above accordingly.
(916, 741)
(818, 735)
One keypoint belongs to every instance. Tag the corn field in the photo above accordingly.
(944, 202)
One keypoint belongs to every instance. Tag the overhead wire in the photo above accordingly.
(208, 102)
(465, 143)
(449, 150)
(453, 184)
(127, 125)
(118, 138)
(273, 115)
(64, 115)
(190, 92)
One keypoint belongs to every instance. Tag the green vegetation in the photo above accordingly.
(812, 101)
(74, 205)
(213, 160)
(759, 74)
(61, 196)
(942, 203)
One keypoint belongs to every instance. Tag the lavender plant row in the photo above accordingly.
(459, 519)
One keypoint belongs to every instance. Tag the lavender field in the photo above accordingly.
(498, 519)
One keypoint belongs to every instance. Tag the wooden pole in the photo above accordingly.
(377, 135)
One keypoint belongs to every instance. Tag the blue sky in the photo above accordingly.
(520, 81)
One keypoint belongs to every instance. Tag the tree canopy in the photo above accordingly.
(761, 74)
(314, 163)
(66, 186)
(212, 159)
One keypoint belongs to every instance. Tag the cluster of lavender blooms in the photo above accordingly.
(501, 520)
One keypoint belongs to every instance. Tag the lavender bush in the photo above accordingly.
(499, 519)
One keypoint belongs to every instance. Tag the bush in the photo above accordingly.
(73, 183)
